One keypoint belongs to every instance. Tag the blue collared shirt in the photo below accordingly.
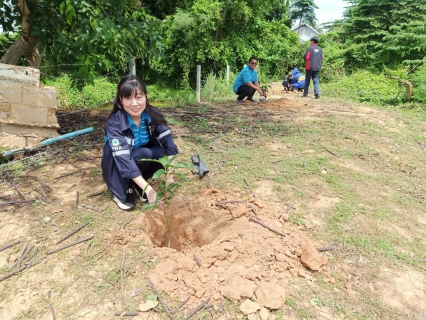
(246, 75)
(140, 135)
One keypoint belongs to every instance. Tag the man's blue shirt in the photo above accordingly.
(246, 75)
(140, 135)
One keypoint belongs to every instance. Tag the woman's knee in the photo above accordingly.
(142, 153)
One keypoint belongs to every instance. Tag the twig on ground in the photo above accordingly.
(15, 187)
(229, 201)
(24, 256)
(50, 306)
(246, 182)
(180, 306)
(126, 314)
(76, 200)
(67, 160)
(324, 249)
(197, 260)
(21, 254)
(95, 194)
(70, 245)
(160, 299)
(252, 208)
(330, 152)
(70, 187)
(43, 185)
(129, 217)
(193, 312)
(123, 299)
(26, 266)
(73, 232)
(5, 204)
(106, 280)
(66, 175)
(91, 208)
(14, 243)
(267, 227)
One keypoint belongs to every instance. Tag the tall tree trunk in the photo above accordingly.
(25, 43)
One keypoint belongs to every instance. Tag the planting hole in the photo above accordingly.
(191, 223)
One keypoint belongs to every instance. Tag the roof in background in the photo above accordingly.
(304, 25)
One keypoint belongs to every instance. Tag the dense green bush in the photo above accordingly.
(419, 82)
(364, 86)
(100, 93)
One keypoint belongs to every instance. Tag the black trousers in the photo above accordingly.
(245, 91)
(148, 168)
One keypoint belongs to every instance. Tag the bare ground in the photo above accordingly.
(328, 174)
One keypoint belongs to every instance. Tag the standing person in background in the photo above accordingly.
(247, 83)
(313, 58)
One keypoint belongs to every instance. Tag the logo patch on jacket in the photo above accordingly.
(316, 50)
(115, 142)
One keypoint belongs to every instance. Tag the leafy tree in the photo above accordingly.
(304, 12)
(93, 37)
(379, 33)
(223, 32)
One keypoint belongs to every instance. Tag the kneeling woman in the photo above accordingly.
(134, 130)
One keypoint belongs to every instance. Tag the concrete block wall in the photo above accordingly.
(26, 106)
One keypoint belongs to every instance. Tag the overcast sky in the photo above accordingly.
(329, 10)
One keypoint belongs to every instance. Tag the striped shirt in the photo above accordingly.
(140, 135)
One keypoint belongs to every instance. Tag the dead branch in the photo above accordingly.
(126, 314)
(76, 200)
(20, 256)
(14, 243)
(324, 249)
(95, 194)
(69, 245)
(267, 227)
(73, 232)
(122, 279)
(197, 260)
(193, 312)
(91, 208)
(252, 208)
(67, 174)
(70, 187)
(26, 266)
(5, 204)
(160, 299)
(67, 160)
(15, 187)
(246, 182)
(50, 307)
(180, 306)
(129, 217)
(229, 201)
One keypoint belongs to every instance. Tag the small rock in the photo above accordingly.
(285, 217)
(272, 317)
(248, 307)
(240, 211)
(264, 314)
(46, 219)
(199, 294)
(253, 316)
(147, 306)
(281, 257)
(311, 258)
(270, 295)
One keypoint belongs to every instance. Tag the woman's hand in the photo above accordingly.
(151, 194)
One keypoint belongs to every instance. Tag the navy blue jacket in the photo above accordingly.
(118, 167)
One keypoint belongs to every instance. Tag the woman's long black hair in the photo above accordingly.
(128, 86)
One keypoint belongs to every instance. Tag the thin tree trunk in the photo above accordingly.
(16, 51)
(25, 43)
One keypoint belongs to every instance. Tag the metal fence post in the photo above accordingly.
(198, 83)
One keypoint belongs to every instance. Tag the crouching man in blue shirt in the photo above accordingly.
(247, 83)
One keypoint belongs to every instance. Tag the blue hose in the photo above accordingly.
(49, 141)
